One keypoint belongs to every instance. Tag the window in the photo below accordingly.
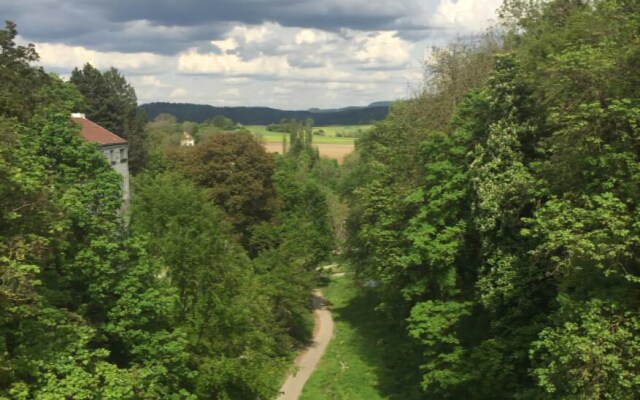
(123, 155)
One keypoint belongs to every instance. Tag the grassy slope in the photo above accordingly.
(351, 366)
(276, 137)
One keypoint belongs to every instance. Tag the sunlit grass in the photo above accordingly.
(329, 138)
(349, 368)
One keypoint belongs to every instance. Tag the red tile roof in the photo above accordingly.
(93, 132)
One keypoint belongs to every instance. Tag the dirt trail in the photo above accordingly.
(307, 361)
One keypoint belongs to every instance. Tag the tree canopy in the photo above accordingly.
(111, 102)
(496, 213)
(167, 306)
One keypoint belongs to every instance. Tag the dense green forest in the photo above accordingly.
(264, 115)
(492, 229)
(201, 291)
(495, 216)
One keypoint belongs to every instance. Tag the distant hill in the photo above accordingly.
(265, 115)
(381, 104)
(331, 110)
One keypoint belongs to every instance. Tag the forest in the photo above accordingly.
(265, 116)
(496, 213)
(490, 222)
(201, 290)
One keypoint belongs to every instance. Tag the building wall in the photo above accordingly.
(118, 156)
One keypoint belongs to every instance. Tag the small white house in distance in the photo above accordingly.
(187, 139)
(115, 148)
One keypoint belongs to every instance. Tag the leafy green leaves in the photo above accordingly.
(589, 352)
(434, 324)
(111, 102)
(511, 251)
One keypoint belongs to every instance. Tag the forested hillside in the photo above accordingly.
(495, 216)
(201, 291)
(266, 116)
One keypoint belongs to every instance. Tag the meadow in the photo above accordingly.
(329, 145)
(351, 367)
(330, 134)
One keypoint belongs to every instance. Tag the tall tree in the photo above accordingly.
(237, 172)
(82, 313)
(111, 102)
(222, 306)
(19, 78)
(509, 252)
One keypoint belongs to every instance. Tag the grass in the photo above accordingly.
(351, 367)
(344, 130)
(330, 132)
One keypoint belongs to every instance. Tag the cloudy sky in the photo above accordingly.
(292, 54)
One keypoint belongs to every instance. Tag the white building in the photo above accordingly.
(115, 148)
(187, 139)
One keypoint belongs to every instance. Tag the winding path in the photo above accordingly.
(307, 361)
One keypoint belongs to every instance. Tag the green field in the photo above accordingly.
(329, 138)
(351, 367)
(344, 130)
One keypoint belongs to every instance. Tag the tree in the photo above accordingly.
(82, 313)
(111, 102)
(20, 80)
(89, 298)
(223, 308)
(496, 213)
(237, 173)
(220, 121)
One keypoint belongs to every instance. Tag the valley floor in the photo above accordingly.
(307, 361)
(351, 365)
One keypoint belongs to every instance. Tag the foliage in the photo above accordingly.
(236, 171)
(264, 116)
(590, 351)
(349, 367)
(20, 80)
(222, 308)
(509, 252)
(111, 102)
(80, 303)
(170, 306)
(221, 122)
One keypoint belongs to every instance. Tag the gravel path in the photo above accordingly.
(307, 361)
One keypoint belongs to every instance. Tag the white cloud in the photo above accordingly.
(470, 15)
(307, 36)
(237, 80)
(352, 86)
(276, 52)
(294, 67)
(230, 64)
(327, 53)
(178, 93)
(151, 80)
(233, 92)
(193, 62)
(226, 44)
(382, 49)
(64, 56)
(282, 90)
(253, 34)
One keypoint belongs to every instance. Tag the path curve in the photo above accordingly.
(307, 361)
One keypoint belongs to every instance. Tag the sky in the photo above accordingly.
(289, 54)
